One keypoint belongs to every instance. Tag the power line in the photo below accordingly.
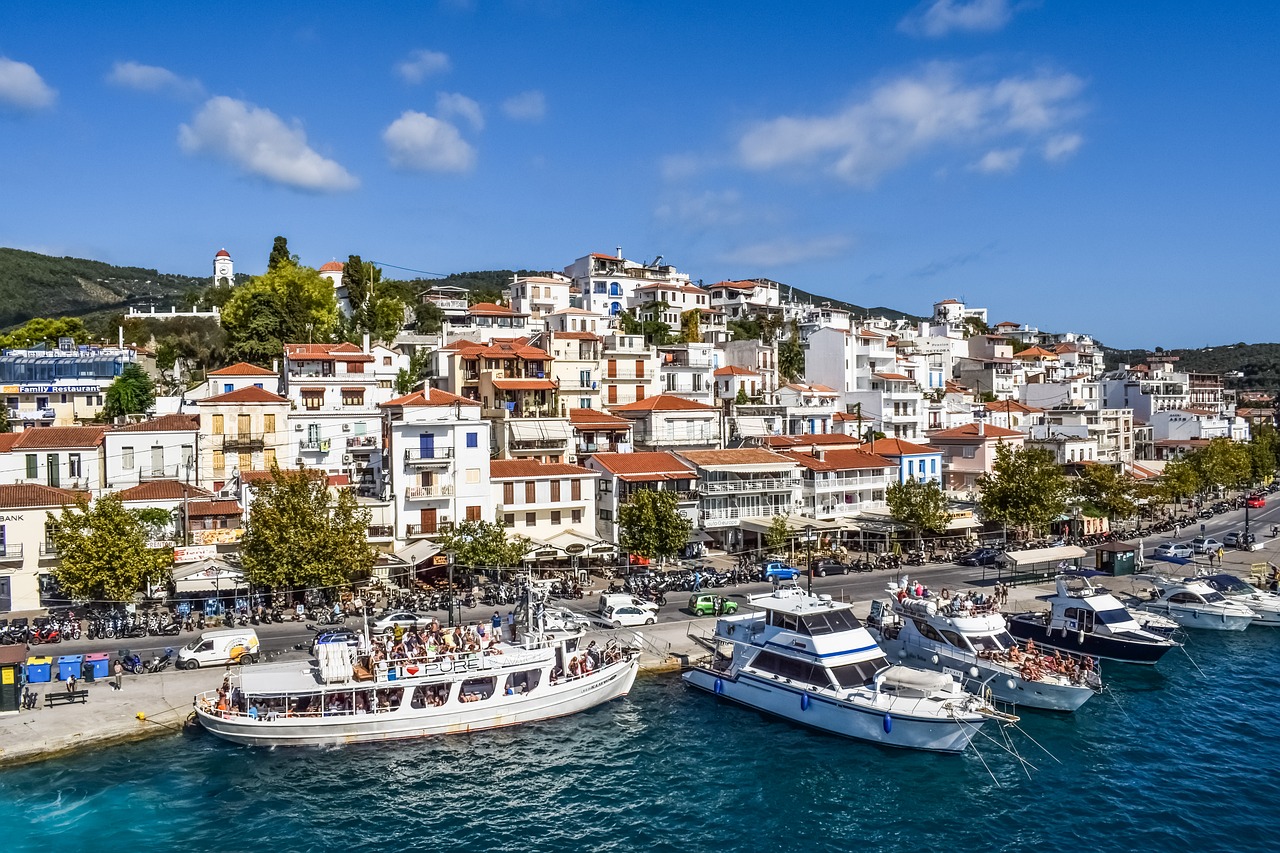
(410, 269)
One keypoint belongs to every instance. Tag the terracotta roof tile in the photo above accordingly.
(430, 397)
(524, 384)
(1008, 406)
(53, 437)
(577, 336)
(663, 403)
(889, 447)
(735, 456)
(971, 431)
(7, 440)
(204, 509)
(783, 442)
(344, 351)
(251, 394)
(594, 418)
(840, 460)
(35, 495)
(507, 469)
(653, 463)
(491, 309)
(242, 368)
(164, 423)
(161, 490)
(734, 370)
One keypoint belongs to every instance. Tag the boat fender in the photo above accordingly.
(718, 686)
(804, 701)
(1011, 684)
(888, 724)
(731, 627)
(973, 672)
(1080, 637)
(934, 660)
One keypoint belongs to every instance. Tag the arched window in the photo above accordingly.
(615, 309)
(615, 289)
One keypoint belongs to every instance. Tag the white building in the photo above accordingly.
(688, 371)
(27, 554)
(539, 296)
(739, 299)
(606, 285)
(224, 270)
(59, 457)
(163, 448)
(745, 484)
(545, 501)
(672, 423)
(624, 474)
(438, 459)
(840, 484)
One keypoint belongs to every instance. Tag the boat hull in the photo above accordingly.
(847, 719)
(1112, 648)
(562, 699)
(1193, 619)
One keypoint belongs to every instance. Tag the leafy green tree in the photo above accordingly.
(485, 543)
(1179, 480)
(1222, 463)
(428, 318)
(300, 534)
(280, 256)
(287, 304)
(103, 551)
(383, 318)
(5, 426)
(919, 505)
(1110, 491)
(1026, 490)
(691, 326)
(778, 533)
(45, 330)
(131, 393)
(1264, 449)
(791, 354)
(742, 399)
(357, 278)
(652, 526)
(653, 331)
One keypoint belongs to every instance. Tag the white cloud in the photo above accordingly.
(943, 17)
(421, 64)
(785, 251)
(908, 116)
(705, 210)
(455, 105)
(153, 78)
(1060, 148)
(260, 143)
(22, 88)
(419, 142)
(1000, 161)
(526, 106)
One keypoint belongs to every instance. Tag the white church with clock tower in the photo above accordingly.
(223, 270)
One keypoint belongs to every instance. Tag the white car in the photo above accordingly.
(629, 616)
(1174, 549)
(1205, 545)
(564, 619)
(407, 619)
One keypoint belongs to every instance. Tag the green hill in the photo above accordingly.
(35, 285)
(1258, 364)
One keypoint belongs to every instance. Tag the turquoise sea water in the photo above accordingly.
(1171, 761)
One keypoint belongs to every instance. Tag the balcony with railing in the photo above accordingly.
(243, 443)
(357, 442)
(438, 490)
(10, 553)
(381, 531)
(428, 457)
(854, 482)
(315, 445)
(761, 484)
(32, 414)
(725, 516)
(417, 531)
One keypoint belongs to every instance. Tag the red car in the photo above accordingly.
(1255, 501)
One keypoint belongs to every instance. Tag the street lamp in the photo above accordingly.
(808, 553)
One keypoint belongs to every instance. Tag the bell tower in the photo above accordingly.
(223, 268)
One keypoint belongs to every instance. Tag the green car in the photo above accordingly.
(705, 604)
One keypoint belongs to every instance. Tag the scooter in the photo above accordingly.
(131, 662)
(160, 662)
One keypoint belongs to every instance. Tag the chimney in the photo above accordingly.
(619, 253)
(815, 452)
(981, 427)
(275, 365)
(366, 344)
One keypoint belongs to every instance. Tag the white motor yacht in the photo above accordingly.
(809, 660)
(1264, 604)
(969, 640)
(1192, 603)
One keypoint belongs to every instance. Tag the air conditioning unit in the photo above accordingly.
(297, 427)
(346, 427)
(444, 519)
(346, 459)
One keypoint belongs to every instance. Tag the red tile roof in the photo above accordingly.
(1035, 352)
(890, 447)
(1008, 406)
(332, 266)
(161, 490)
(840, 460)
(657, 465)
(971, 431)
(735, 456)
(164, 423)
(506, 348)
(55, 437)
(736, 285)
(222, 253)
(734, 370)
(783, 442)
(491, 309)
(577, 336)
(893, 377)
(204, 509)
(524, 384)
(242, 368)
(35, 495)
(812, 388)
(588, 418)
(7, 440)
(326, 352)
(508, 469)
(430, 397)
(663, 403)
(250, 394)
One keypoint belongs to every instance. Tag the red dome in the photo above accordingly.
(332, 266)
(222, 253)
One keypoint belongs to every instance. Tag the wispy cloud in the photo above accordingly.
(958, 260)
(422, 143)
(22, 88)
(258, 142)
(455, 105)
(421, 64)
(1060, 148)
(785, 251)
(909, 116)
(699, 211)
(939, 18)
(999, 161)
(526, 106)
(153, 78)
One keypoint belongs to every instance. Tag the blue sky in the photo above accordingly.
(1091, 166)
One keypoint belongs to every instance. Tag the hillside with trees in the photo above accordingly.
(1258, 365)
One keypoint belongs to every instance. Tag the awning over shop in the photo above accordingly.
(540, 430)
(1037, 556)
(796, 526)
(207, 576)
(416, 552)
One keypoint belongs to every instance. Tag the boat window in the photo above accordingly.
(829, 622)
(926, 631)
(1113, 617)
(1231, 584)
(477, 689)
(1002, 639)
(792, 668)
(519, 683)
(388, 699)
(1214, 597)
(1184, 598)
(954, 639)
(1073, 614)
(858, 674)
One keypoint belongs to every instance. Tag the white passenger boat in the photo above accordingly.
(969, 640)
(1192, 603)
(347, 697)
(809, 660)
(1264, 604)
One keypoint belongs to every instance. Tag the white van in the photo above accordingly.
(230, 645)
(611, 600)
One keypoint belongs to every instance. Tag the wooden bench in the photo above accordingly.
(63, 697)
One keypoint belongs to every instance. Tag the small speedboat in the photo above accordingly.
(1266, 605)
(1194, 604)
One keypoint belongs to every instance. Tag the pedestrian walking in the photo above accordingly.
(1219, 556)
(511, 624)
(119, 670)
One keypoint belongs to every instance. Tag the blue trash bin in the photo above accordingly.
(38, 670)
(101, 663)
(69, 665)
